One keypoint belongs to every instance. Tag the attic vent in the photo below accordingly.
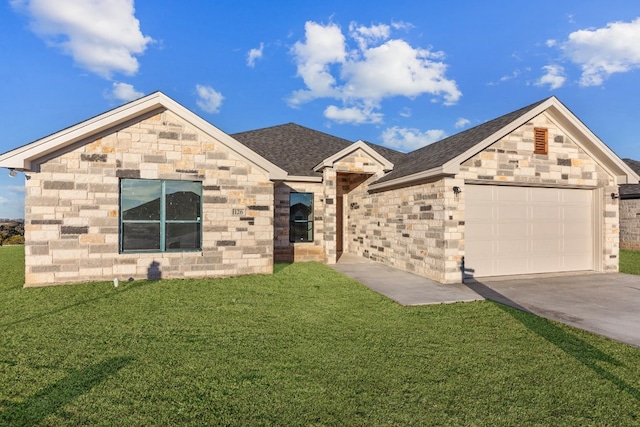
(540, 140)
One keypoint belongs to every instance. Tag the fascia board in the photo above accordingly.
(21, 157)
(595, 147)
(405, 180)
(329, 161)
(300, 178)
(454, 164)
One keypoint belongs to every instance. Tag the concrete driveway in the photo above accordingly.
(606, 304)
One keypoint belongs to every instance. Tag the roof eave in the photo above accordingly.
(419, 176)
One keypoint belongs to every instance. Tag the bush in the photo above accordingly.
(13, 240)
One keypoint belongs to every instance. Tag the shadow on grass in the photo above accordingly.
(580, 350)
(109, 293)
(51, 399)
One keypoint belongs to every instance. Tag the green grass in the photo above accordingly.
(305, 346)
(630, 262)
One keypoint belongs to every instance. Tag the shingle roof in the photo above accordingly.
(631, 191)
(438, 153)
(298, 149)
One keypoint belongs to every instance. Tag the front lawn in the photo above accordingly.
(306, 346)
(630, 262)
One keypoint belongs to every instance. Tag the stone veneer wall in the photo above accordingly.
(285, 251)
(72, 207)
(511, 160)
(630, 224)
(419, 228)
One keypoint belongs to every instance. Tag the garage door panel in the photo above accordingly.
(508, 194)
(545, 264)
(511, 248)
(510, 212)
(523, 230)
(550, 196)
(512, 230)
(541, 213)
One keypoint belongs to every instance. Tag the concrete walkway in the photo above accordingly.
(403, 287)
(606, 304)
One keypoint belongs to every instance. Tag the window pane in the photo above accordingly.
(183, 200)
(301, 206)
(301, 231)
(140, 236)
(140, 199)
(182, 236)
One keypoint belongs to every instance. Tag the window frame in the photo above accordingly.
(308, 222)
(163, 222)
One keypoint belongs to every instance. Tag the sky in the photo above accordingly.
(402, 74)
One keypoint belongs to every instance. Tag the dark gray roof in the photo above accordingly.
(298, 149)
(438, 153)
(631, 191)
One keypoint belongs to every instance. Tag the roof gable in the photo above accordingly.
(444, 157)
(359, 145)
(21, 158)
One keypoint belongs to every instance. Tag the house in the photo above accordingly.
(150, 190)
(630, 211)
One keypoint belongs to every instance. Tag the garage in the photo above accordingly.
(526, 230)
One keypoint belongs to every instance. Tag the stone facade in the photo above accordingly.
(511, 160)
(630, 224)
(284, 250)
(72, 206)
(419, 228)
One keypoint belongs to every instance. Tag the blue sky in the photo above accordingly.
(401, 74)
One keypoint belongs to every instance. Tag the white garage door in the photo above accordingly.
(525, 230)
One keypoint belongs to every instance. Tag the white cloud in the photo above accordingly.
(554, 77)
(604, 51)
(409, 139)
(368, 35)
(254, 54)
(354, 115)
(102, 36)
(209, 99)
(378, 68)
(551, 43)
(405, 112)
(325, 45)
(125, 92)
(462, 122)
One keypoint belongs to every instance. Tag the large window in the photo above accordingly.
(159, 216)
(301, 217)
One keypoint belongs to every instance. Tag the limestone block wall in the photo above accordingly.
(419, 228)
(512, 160)
(72, 206)
(630, 224)
(285, 251)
